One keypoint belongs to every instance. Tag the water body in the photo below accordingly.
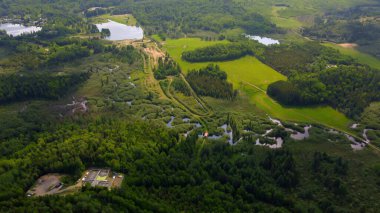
(355, 145)
(365, 135)
(301, 136)
(263, 40)
(277, 145)
(169, 124)
(121, 31)
(229, 133)
(18, 29)
(354, 126)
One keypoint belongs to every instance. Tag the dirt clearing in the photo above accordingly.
(46, 185)
(348, 45)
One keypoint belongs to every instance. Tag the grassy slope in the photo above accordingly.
(361, 57)
(287, 23)
(251, 70)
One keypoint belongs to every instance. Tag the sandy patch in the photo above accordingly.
(348, 45)
(154, 53)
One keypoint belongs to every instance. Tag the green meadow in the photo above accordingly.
(127, 19)
(287, 23)
(361, 57)
(252, 77)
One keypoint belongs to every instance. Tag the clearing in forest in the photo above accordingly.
(252, 77)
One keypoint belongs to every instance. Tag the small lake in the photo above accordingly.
(18, 29)
(263, 40)
(121, 31)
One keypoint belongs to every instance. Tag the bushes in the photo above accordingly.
(127, 54)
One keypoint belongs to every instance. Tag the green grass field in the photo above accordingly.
(361, 57)
(123, 19)
(287, 23)
(248, 72)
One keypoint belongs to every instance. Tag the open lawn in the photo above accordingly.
(361, 57)
(320, 114)
(252, 77)
(123, 19)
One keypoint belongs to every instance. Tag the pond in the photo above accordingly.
(18, 29)
(121, 31)
(263, 40)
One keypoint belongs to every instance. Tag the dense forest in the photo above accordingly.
(211, 81)
(358, 25)
(23, 86)
(170, 17)
(217, 177)
(175, 17)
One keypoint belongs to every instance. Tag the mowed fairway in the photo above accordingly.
(253, 77)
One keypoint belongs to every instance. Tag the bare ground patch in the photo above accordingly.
(46, 185)
(154, 53)
(348, 45)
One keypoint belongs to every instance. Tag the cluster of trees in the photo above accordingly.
(211, 81)
(22, 86)
(348, 88)
(68, 53)
(127, 54)
(166, 67)
(219, 52)
(303, 91)
(96, 11)
(351, 88)
(308, 57)
(235, 128)
(105, 33)
(179, 85)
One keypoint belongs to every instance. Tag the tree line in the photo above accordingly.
(219, 52)
(224, 52)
